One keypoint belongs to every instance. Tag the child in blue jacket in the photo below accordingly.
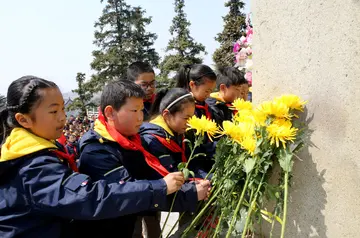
(113, 151)
(40, 188)
(231, 85)
(143, 75)
(200, 80)
(163, 136)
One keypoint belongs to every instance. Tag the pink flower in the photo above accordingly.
(249, 39)
(248, 51)
(248, 77)
(242, 54)
(249, 30)
(243, 39)
(236, 47)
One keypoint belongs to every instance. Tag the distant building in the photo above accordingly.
(74, 113)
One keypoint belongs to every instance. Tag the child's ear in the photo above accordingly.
(222, 87)
(24, 120)
(191, 84)
(109, 112)
(165, 114)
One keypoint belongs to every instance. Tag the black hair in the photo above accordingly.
(230, 76)
(23, 96)
(196, 73)
(116, 93)
(165, 97)
(137, 68)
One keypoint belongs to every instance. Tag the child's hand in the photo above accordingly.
(174, 181)
(202, 188)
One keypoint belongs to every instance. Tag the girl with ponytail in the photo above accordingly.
(200, 80)
(163, 136)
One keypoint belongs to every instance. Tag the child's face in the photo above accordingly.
(229, 94)
(128, 119)
(147, 83)
(48, 119)
(72, 139)
(178, 122)
(202, 92)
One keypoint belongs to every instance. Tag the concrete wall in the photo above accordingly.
(312, 48)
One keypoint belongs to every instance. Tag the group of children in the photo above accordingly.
(126, 169)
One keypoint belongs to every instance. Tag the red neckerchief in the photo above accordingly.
(205, 108)
(150, 100)
(133, 144)
(69, 158)
(72, 146)
(173, 146)
(62, 140)
(231, 107)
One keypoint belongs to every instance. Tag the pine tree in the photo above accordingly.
(182, 47)
(142, 42)
(234, 28)
(121, 38)
(83, 101)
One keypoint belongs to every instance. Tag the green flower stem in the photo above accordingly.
(196, 219)
(273, 223)
(251, 206)
(218, 225)
(207, 226)
(233, 220)
(173, 201)
(285, 204)
(168, 215)
(177, 221)
(208, 174)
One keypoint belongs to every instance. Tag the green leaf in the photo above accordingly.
(192, 174)
(285, 159)
(189, 143)
(199, 154)
(249, 165)
(181, 166)
(186, 173)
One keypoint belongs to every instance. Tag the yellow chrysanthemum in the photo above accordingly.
(246, 129)
(244, 116)
(203, 125)
(239, 104)
(292, 101)
(259, 117)
(232, 130)
(281, 130)
(249, 144)
(275, 108)
(238, 131)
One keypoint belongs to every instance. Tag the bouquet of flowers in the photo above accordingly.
(248, 147)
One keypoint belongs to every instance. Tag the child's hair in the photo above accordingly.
(230, 76)
(116, 93)
(137, 68)
(196, 73)
(170, 99)
(23, 96)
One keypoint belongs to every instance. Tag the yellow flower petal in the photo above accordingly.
(203, 125)
(240, 104)
(275, 108)
(292, 101)
(281, 130)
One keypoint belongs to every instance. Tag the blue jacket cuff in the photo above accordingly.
(159, 187)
